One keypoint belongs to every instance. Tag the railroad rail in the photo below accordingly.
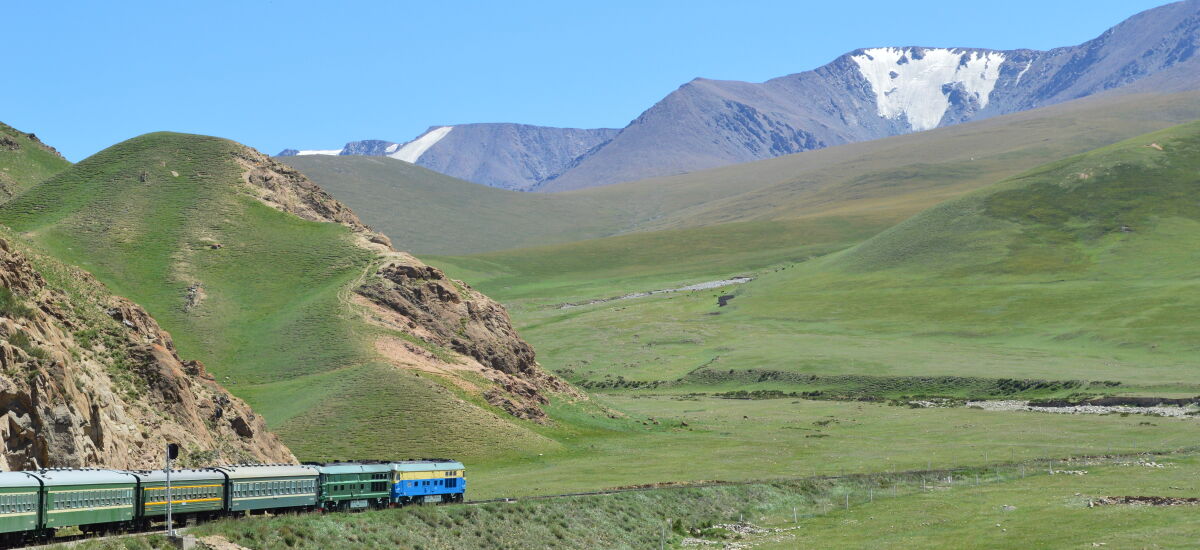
(1034, 465)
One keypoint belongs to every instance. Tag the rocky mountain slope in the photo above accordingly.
(90, 379)
(878, 92)
(346, 346)
(863, 95)
(508, 156)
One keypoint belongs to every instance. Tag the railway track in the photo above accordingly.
(77, 539)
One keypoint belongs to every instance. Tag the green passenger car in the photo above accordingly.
(194, 493)
(346, 486)
(259, 487)
(94, 500)
(20, 496)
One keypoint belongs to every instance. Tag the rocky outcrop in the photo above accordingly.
(9, 140)
(437, 313)
(90, 379)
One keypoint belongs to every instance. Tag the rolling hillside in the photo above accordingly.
(24, 161)
(872, 184)
(292, 302)
(738, 219)
(1079, 273)
(425, 212)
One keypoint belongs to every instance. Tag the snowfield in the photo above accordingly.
(906, 85)
(412, 151)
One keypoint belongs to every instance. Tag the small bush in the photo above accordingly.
(12, 307)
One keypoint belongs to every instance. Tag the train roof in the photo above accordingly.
(18, 479)
(426, 465)
(84, 477)
(243, 471)
(156, 476)
(351, 468)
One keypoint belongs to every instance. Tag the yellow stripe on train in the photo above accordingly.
(183, 501)
(175, 487)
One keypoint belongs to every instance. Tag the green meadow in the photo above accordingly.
(1081, 270)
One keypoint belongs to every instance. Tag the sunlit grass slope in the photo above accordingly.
(259, 295)
(24, 162)
(1083, 269)
(425, 212)
(714, 223)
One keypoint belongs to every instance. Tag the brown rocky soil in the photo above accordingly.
(1146, 501)
(90, 379)
(404, 294)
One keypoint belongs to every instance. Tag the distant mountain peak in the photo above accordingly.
(866, 94)
(504, 155)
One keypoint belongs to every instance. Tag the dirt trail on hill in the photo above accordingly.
(697, 286)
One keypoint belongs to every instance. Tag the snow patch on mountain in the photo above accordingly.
(1022, 73)
(913, 81)
(333, 152)
(413, 150)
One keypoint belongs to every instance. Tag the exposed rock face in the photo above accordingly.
(90, 379)
(405, 295)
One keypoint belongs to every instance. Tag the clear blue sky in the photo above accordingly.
(84, 75)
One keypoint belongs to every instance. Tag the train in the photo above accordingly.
(35, 505)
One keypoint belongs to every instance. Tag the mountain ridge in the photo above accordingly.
(504, 155)
(864, 94)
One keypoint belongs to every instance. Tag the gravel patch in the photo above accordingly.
(1013, 405)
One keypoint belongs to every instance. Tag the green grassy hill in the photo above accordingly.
(25, 161)
(1082, 269)
(427, 212)
(261, 296)
(744, 218)
(858, 189)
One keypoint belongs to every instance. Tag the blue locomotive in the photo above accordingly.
(34, 505)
